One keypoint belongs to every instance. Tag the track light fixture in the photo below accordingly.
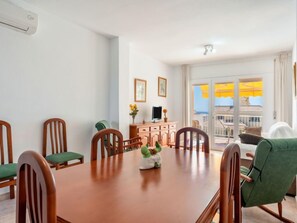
(208, 48)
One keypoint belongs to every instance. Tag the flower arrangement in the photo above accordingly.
(133, 111)
(165, 112)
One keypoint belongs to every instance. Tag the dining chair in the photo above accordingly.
(230, 196)
(54, 134)
(36, 190)
(110, 141)
(190, 137)
(7, 167)
(128, 144)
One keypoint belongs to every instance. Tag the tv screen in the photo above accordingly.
(157, 113)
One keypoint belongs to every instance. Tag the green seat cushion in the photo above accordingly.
(63, 157)
(8, 170)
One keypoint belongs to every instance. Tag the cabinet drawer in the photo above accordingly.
(154, 128)
(164, 127)
(172, 126)
(143, 130)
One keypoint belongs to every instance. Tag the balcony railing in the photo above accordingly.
(224, 123)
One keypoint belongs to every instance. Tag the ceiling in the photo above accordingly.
(174, 31)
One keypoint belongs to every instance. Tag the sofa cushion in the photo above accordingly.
(250, 138)
(281, 130)
(63, 157)
(8, 170)
(253, 130)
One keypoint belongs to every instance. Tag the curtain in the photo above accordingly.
(283, 90)
(185, 95)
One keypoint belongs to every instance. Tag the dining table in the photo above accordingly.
(184, 189)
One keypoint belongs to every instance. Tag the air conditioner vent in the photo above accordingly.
(19, 19)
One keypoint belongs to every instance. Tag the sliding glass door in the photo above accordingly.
(225, 107)
(223, 110)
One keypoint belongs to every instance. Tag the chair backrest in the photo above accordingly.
(54, 129)
(190, 134)
(273, 171)
(110, 140)
(230, 185)
(36, 189)
(103, 124)
(5, 143)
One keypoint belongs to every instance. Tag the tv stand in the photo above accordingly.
(150, 132)
(156, 121)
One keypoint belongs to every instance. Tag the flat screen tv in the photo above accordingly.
(157, 113)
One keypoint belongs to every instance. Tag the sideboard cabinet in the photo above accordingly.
(164, 132)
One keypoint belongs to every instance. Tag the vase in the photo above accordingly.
(165, 119)
(133, 118)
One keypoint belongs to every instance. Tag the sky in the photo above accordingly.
(201, 104)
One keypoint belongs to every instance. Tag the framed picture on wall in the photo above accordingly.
(162, 87)
(139, 90)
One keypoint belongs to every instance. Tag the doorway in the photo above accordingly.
(224, 108)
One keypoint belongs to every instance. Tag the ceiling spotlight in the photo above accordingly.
(208, 48)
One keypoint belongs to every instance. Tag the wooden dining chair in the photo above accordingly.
(128, 144)
(55, 130)
(110, 141)
(36, 189)
(7, 168)
(230, 196)
(190, 137)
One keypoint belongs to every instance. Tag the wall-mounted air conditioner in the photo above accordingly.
(19, 19)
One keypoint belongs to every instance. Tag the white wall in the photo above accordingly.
(147, 68)
(61, 71)
(294, 60)
(176, 91)
(263, 67)
(119, 80)
(294, 53)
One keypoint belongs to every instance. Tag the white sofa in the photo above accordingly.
(277, 130)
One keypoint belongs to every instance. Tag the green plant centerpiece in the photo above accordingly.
(151, 158)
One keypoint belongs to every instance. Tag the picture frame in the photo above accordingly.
(295, 79)
(162, 87)
(139, 90)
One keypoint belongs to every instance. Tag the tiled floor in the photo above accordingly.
(250, 215)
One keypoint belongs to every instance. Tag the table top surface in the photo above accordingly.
(115, 190)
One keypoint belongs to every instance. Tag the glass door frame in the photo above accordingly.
(208, 82)
(211, 83)
(235, 81)
(211, 86)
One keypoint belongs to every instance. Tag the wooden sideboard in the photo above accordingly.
(163, 132)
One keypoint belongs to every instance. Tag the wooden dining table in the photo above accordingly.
(113, 189)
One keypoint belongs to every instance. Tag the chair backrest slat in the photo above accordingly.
(35, 189)
(230, 197)
(189, 135)
(60, 135)
(56, 136)
(55, 129)
(104, 136)
(8, 139)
